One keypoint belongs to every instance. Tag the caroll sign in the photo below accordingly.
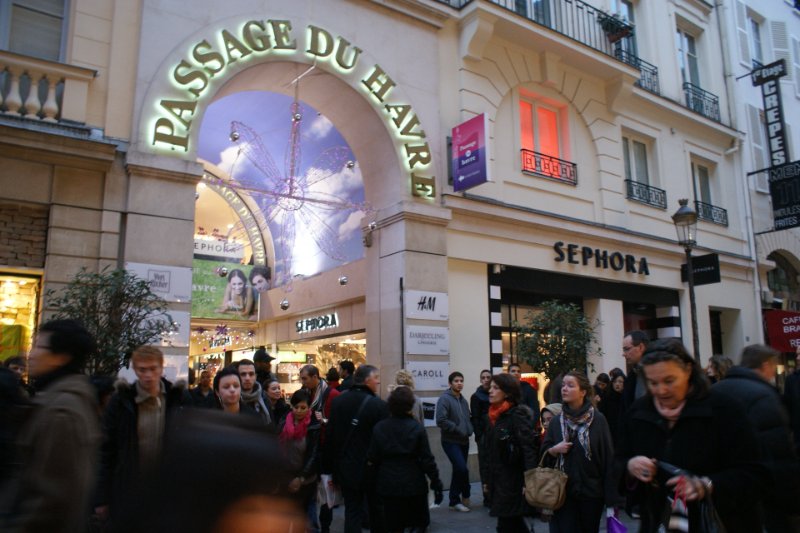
(783, 330)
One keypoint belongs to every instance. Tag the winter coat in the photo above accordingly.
(198, 400)
(346, 444)
(311, 458)
(346, 384)
(452, 416)
(530, 397)
(587, 478)
(278, 413)
(401, 457)
(711, 438)
(51, 487)
(611, 407)
(511, 450)
(119, 455)
(479, 408)
(791, 395)
(768, 416)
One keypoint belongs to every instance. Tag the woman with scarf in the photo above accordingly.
(511, 449)
(682, 424)
(299, 439)
(579, 438)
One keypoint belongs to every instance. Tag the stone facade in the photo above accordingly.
(23, 234)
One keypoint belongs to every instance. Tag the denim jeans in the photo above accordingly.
(459, 483)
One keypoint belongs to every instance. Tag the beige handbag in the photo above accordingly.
(546, 488)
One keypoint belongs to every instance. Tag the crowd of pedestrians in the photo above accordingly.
(673, 444)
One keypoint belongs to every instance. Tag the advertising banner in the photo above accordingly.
(173, 284)
(226, 290)
(783, 330)
(469, 153)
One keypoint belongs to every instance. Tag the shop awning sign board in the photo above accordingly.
(705, 269)
(784, 188)
(429, 376)
(429, 411)
(470, 153)
(783, 330)
(427, 340)
(173, 284)
(426, 305)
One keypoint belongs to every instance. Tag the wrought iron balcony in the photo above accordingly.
(646, 194)
(700, 101)
(649, 72)
(575, 19)
(712, 213)
(547, 166)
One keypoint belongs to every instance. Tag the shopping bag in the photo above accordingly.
(613, 525)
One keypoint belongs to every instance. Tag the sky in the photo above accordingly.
(327, 170)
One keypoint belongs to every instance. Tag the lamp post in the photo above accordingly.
(685, 220)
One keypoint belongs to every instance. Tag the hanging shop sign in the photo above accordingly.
(470, 153)
(195, 76)
(317, 323)
(576, 254)
(429, 411)
(427, 340)
(172, 284)
(429, 376)
(705, 270)
(784, 188)
(783, 330)
(426, 305)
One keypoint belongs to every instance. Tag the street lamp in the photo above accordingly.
(685, 220)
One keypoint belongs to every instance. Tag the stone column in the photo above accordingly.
(609, 333)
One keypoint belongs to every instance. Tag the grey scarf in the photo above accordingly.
(256, 398)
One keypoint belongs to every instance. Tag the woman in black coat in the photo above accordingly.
(679, 422)
(511, 450)
(580, 437)
(399, 458)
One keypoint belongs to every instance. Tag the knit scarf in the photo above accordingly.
(293, 430)
(496, 410)
(256, 398)
(315, 406)
(671, 415)
(579, 422)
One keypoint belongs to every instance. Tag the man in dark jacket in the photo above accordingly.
(134, 427)
(791, 395)
(529, 395)
(479, 408)
(346, 370)
(203, 395)
(633, 346)
(750, 384)
(347, 439)
(263, 362)
(49, 488)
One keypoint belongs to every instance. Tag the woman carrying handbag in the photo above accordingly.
(511, 450)
(580, 435)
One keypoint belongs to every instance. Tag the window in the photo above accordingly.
(757, 51)
(796, 66)
(687, 57)
(702, 183)
(634, 153)
(756, 129)
(703, 190)
(749, 36)
(624, 8)
(540, 140)
(34, 27)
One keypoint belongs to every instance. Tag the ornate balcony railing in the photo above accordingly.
(42, 90)
(575, 19)
(700, 101)
(547, 166)
(649, 72)
(712, 213)
(646, 194)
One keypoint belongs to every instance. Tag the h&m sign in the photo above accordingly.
(426, 305)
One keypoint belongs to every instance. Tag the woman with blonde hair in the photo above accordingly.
(404, 378)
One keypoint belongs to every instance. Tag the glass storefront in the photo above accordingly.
(19, 305)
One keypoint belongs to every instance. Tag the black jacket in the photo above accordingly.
(401, 457)
(512, 449)
(791, 395)
(766, 413)
(119, 454)
(346, 444)
(346, 384)
(587, 478)
(479, 408)
(278, 413)
(611, 407)
(198, 400)
(311, 458)
(530, 398)
(711, 438)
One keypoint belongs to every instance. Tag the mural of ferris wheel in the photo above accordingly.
(298, 201)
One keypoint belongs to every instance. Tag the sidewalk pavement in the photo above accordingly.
(443, 520)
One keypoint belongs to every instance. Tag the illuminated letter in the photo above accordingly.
(341, 48)
(401, 112)
(189, 77)
(177, 108)
(319, 47)
(259, 42)
(384, 83)
(283, 39)
(164, 132)
(418, 154)
(231, 44)
(422, 186)
(207, 57)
